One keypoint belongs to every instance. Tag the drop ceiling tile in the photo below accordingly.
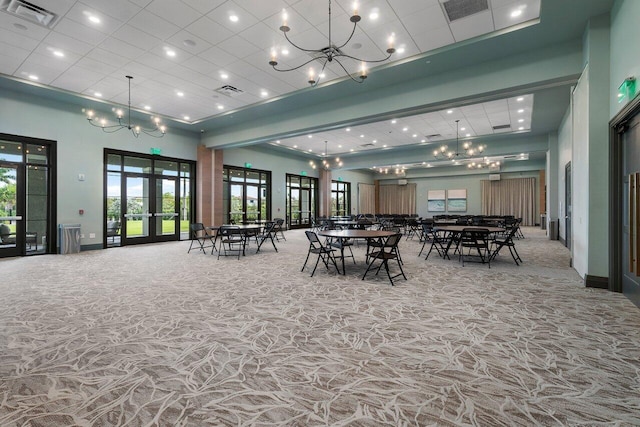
(189, 42)
(121, 48)
(262, 9)
(203, 66)
(295, 21)
(67, 44)
(502, 14)
(13, 52)
(408, 7)
(472, 26)
(135, 37)
(108, 58)
(45, 73)
(238, 47)
(262, 36)
(75, 30)
(78, 79)
(221, 16)
(32, 31)
(122, 10)
(218, 56)
(204, 6)
(174, 11)
(209, 30)
(152, 24)
(17, 39)
(426, 19)
(80, 14)
(91, 64)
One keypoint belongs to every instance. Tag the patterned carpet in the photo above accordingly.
(153, 336)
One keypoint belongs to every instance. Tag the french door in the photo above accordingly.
(301, 203)
(246, 195)
(26, 201)
(148, 199)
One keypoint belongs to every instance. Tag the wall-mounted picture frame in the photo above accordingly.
(457, 200)
(436, 200)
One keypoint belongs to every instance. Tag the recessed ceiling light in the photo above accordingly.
(170, 53)
(375, 141)
(233, 18)
(520, 98)
(423, 140)
(295, 146)
(415, 135)
(322, 75)
(374, 15)
(98, 94)
(516, 13)
(351, 150)
(224, 75)
(147, 107)
(449, 111)
(361, 136)
(186, 117)
(58, 53)
(521, 111)
(278, 142)
(520, 120)
(189, 43)
(33, 77)
(520, 128)
(309, 136)
(394, 121)
(348, 129)
(180, 93)
(285, 51)
(400, 50)
(339, 145)
(310, 150)
(384, 146)
(463, 128)
(405, 129)
(91, 17)
(468, 134)
(220, 107)
(264, 93)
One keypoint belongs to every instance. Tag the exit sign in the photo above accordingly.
(155, 151)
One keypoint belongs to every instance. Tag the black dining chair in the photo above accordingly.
(200, 236)
(500, 242)
(325, 253)
(268, 233)
(232, 240)
(476, 242)
(388, 251)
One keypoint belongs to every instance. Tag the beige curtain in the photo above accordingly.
(366, 198)
(515, 197)
(398, 199)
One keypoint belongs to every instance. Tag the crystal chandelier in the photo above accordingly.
(330, 53)
(486, 163)
(157, 131)
(326, 162)
(467, 149)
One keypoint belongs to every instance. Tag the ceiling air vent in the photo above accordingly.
(502, 127)
(29, 12)
(433, 136)
(228, 90)
(458, 9)
(367, 145)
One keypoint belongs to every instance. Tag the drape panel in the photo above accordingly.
(515, 197)
(366, 198)
(398, 199)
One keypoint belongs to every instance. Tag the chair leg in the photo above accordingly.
(515, 257)
(305, 261)
(316, 266)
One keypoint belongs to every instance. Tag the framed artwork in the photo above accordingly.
(436, 200)
(457, 200)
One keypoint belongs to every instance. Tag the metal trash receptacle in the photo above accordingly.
(69, 238)
(553, 230)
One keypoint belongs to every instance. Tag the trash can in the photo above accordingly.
(69, 238)
(553, 230)
(543, 221)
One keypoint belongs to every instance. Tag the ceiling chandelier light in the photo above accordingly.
(330, 53)
(327, 164)
(486, 163)
(157, 131)
(468, 150)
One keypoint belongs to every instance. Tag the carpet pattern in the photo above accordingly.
(153, 336)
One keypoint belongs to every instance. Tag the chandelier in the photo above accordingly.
(330, 53)
(157, 131)
(326, 162)
(468, 150)
(485, 163)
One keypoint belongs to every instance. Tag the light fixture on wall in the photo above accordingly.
(467, 149)
(486, 163)
(157, 131)
(330, 53)
(327, 163)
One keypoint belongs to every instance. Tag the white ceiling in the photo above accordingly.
(134, 36)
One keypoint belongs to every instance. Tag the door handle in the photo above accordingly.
(11, 218)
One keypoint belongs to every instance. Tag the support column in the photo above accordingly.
(325, 192)
(218, 188)
(204, 185)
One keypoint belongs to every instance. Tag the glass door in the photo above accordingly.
(164, 211)
(236, 213)
(11, 206)
(301, 203)
(138, 216)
